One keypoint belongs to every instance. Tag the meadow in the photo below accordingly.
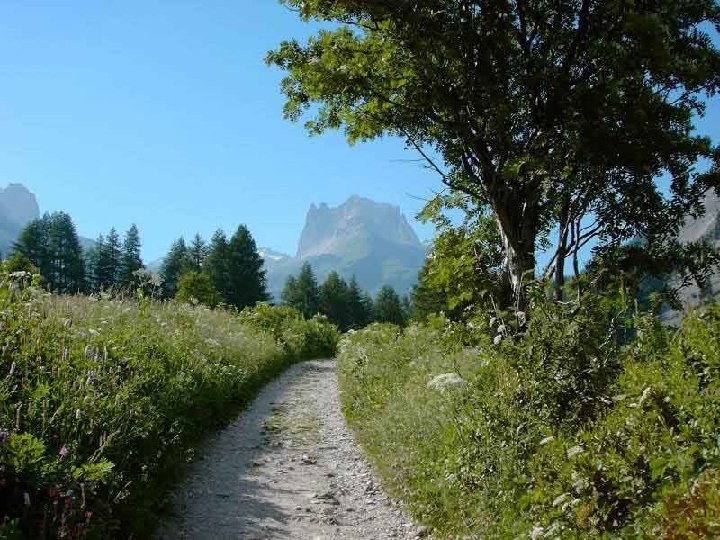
(103, 401)
(587, 426)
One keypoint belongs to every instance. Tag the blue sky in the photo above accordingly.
(164, 114)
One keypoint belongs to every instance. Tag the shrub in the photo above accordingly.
(102, 402)
(572, 431)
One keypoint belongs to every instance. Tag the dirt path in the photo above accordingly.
(286, 468)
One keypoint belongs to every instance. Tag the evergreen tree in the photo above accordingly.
(359, 313)
(197, 251)
(427, 297)
(303, 293)
(130, 261)
(110, 256)
(333, 301)
(51, 243)
(93, 265)
(388, 308)
(289, 294)
(176, 263)
(246, 277)
(217, 264)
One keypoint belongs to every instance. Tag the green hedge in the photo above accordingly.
(103, 401)
(563, 433)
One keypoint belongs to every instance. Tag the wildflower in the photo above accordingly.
(88, 515)
(63, 451)
(77, 414)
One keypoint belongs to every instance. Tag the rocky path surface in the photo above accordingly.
(286, 468)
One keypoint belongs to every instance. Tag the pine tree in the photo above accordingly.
(197, 251)
(333, 300)
(110, 255)
(176, 263)
(289, 294)
(246, 277)
(427, 298)
(93, 265)
(359, 313)
(51, 243)
(303, 294)
(388, 308)
(130, 260)
(217, 264)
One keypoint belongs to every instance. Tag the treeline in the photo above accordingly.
(226, 271)
(345, 304)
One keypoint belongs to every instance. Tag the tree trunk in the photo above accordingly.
(561, 252)
(518, 231)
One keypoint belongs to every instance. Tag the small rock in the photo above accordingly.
(446, 381)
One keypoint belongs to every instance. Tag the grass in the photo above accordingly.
(103, 401)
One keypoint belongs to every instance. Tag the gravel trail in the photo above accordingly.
(286, 468)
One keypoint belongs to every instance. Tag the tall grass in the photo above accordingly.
(565, 433)
(103, 401)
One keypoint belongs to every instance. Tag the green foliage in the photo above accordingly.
(103, 401)
(51, 243)
(17, 262)
(333, 300)
(464, 271)
(246, 277)
(130, 260)
(302, 293)
(574, 431)
(197, 288)
(553, 114)
(176, 263)
(300, 338)
(388, 308)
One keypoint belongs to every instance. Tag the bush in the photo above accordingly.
(102, 402)
(300, 338)
(571, 431)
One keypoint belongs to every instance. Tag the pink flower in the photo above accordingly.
(63, 451)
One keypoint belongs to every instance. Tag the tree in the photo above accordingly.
(197, 287)
(176, 263)
(359, 313)
(216, 263)
(388, 308)
(130, 260)
(51, 243)
(302, 292)
(198, 252)
(556, 115)
(110, 259)
(246, 276)
(333, 301)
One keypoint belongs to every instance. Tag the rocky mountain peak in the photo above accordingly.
(328, 230)
(18, 205)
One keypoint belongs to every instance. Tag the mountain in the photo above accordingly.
(708, 227)
(18, 206)
(370, 240)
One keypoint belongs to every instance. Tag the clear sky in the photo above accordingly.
(164, 114)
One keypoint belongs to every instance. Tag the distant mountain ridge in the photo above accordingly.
(363, 238)
(18, 207)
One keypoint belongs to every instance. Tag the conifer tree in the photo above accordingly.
(388, 308)
(110, 255)
(130, 261)
(197, 251)
(246, 276)
(217, 264)
(176, 263)
(333, 300)
(303, 294)
(359, 313)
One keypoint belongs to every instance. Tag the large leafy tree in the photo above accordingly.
(559, 116)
